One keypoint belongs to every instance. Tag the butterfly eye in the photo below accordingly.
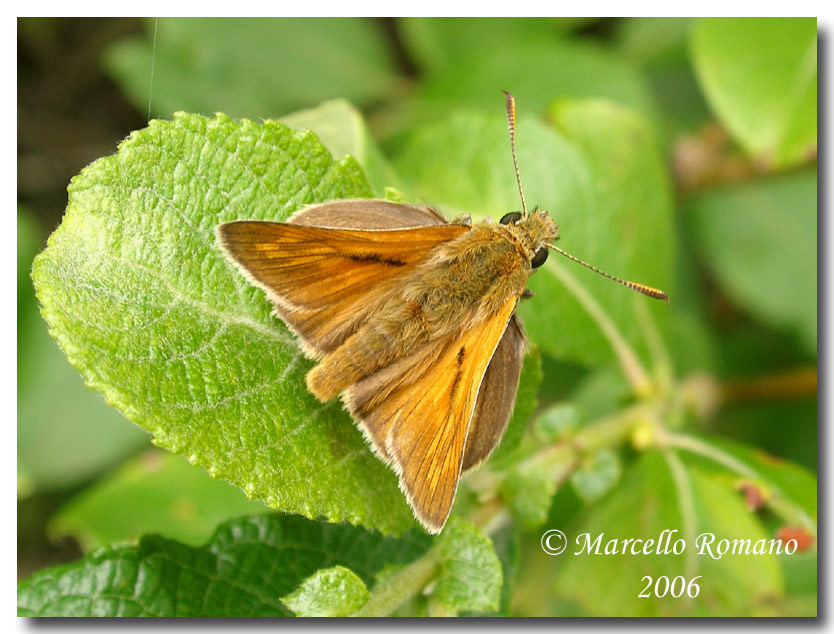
(511, 218)
(539, 258)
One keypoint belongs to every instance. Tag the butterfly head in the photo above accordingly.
(534, 231)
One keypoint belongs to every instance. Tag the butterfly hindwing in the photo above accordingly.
(363, 213)
(496, 398)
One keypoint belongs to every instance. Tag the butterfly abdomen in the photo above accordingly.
(387, 336)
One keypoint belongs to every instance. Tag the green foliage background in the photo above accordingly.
(677, 152)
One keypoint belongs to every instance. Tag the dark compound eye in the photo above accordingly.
(511, 218)
(539, 258)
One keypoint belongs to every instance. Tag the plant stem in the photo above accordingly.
(609, 431)
(663, 367)
(562, 458)
(686, 504)
(490, 517)
(390, 594)
(693, 445)
(632, 368)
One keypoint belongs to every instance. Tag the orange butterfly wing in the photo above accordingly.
(417, 413)
(324, 282)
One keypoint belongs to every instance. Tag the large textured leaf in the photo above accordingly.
(470, 572)
(66, 434)
(335, 591)
(148, 309)
(244, 570)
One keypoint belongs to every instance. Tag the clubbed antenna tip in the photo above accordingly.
(511, 124)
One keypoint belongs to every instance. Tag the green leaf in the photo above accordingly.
(438, 43)
(470, 571)
(335, 591)
(801, 580)
(557, 421)
(595, 477)
(340, 126)
(527, 492)
(604, 182)
(148, 309)
(461, 164)
(660, 46)
(248, 564)
(252, 67)
(775, 475)
(659, 494)
(760, 77)
(654, 42)
(469, 60)
(530, 482)
(166, 496)
(759, 240)
(736, 581)
(66, 434)
(506, 543)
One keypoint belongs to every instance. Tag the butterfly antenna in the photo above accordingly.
(511, 123)
(640, 288)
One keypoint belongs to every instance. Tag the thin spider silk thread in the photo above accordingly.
(153, 60)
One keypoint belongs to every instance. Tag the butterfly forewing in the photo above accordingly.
(324, 281)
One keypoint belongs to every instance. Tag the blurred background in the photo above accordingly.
(732, 104)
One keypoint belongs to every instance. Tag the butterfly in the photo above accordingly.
(412, 321)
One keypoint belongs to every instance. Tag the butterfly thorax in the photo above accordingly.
(469, 277)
